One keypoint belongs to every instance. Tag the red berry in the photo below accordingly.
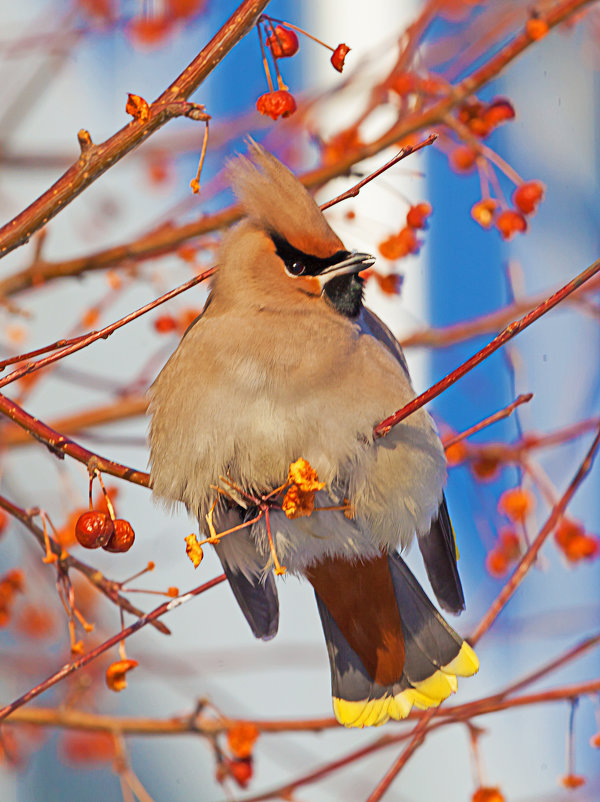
(122, 537)
(417, 215)
(462, 158)
(283, 43)
(165, 323)
(276, 104)
(339, 56)
(500, 110)
(509, 222)
(497, 563)
(527, 196)
(93, 529)
(536, 28)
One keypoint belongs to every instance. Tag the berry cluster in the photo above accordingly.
(280, 39)
(97, 529)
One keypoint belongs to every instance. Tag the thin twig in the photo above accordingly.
(164, 240)
(530, 555)
(353, 191)
(96, 159)
(524, 398)
(106, 586)
(501, 339)
(70, 668)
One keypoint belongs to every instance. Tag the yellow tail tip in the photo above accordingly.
(422, 695)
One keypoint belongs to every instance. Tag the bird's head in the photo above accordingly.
(284, 252)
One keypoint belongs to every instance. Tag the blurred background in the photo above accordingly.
(70, 65)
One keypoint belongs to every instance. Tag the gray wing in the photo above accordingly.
(438, 546)
(256, 594)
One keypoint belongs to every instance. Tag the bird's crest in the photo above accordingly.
(274, 199)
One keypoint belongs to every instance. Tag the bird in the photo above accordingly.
(286, 363)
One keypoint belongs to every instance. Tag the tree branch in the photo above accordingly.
(96, 159)
(164, 240)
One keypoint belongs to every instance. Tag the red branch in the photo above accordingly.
(501, 339)
(69, 668)
(532, 552)
(524, 398)
(353, 191)
(165, 239)
(65, 560)
(96, 159)
(420, 731)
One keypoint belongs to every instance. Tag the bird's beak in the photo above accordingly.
(353, 263)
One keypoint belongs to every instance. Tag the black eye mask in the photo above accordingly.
(345, 293)
(299, 263)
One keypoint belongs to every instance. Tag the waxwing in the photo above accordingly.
(285, 364)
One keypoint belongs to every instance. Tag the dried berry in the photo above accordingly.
(462, 158)
(122, 537)
(283, 43)
(276, 104)
(417, 215)
(527, 196)
(483, 212)
(165, 323)
(510, 222)
(500, 110)
(339, 56)
(93, 529)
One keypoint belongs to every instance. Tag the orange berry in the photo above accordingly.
(283, 43)
(516, 504)
(496, 563)
(115, 674)
(484, 794)
(122, 538)
(595, 741)
(456, 453)
(417, 215)
(510, 544)
(149, 32)
(276, 104)
(241, 739)
(527, 196)
(566, 531)
(180, 9)
(500, 110)
(483, 212)
(164, 323)
(339, 56)
(398, 245)
(390, 284)
(509, 222)
(462, 158)
(572, 781)
(93, 529)
(536, 28)
(582, 547)
(241, 771)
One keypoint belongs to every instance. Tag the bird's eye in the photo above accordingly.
(296, 268)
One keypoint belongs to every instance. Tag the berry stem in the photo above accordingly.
(264, 58)
(300, 30)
